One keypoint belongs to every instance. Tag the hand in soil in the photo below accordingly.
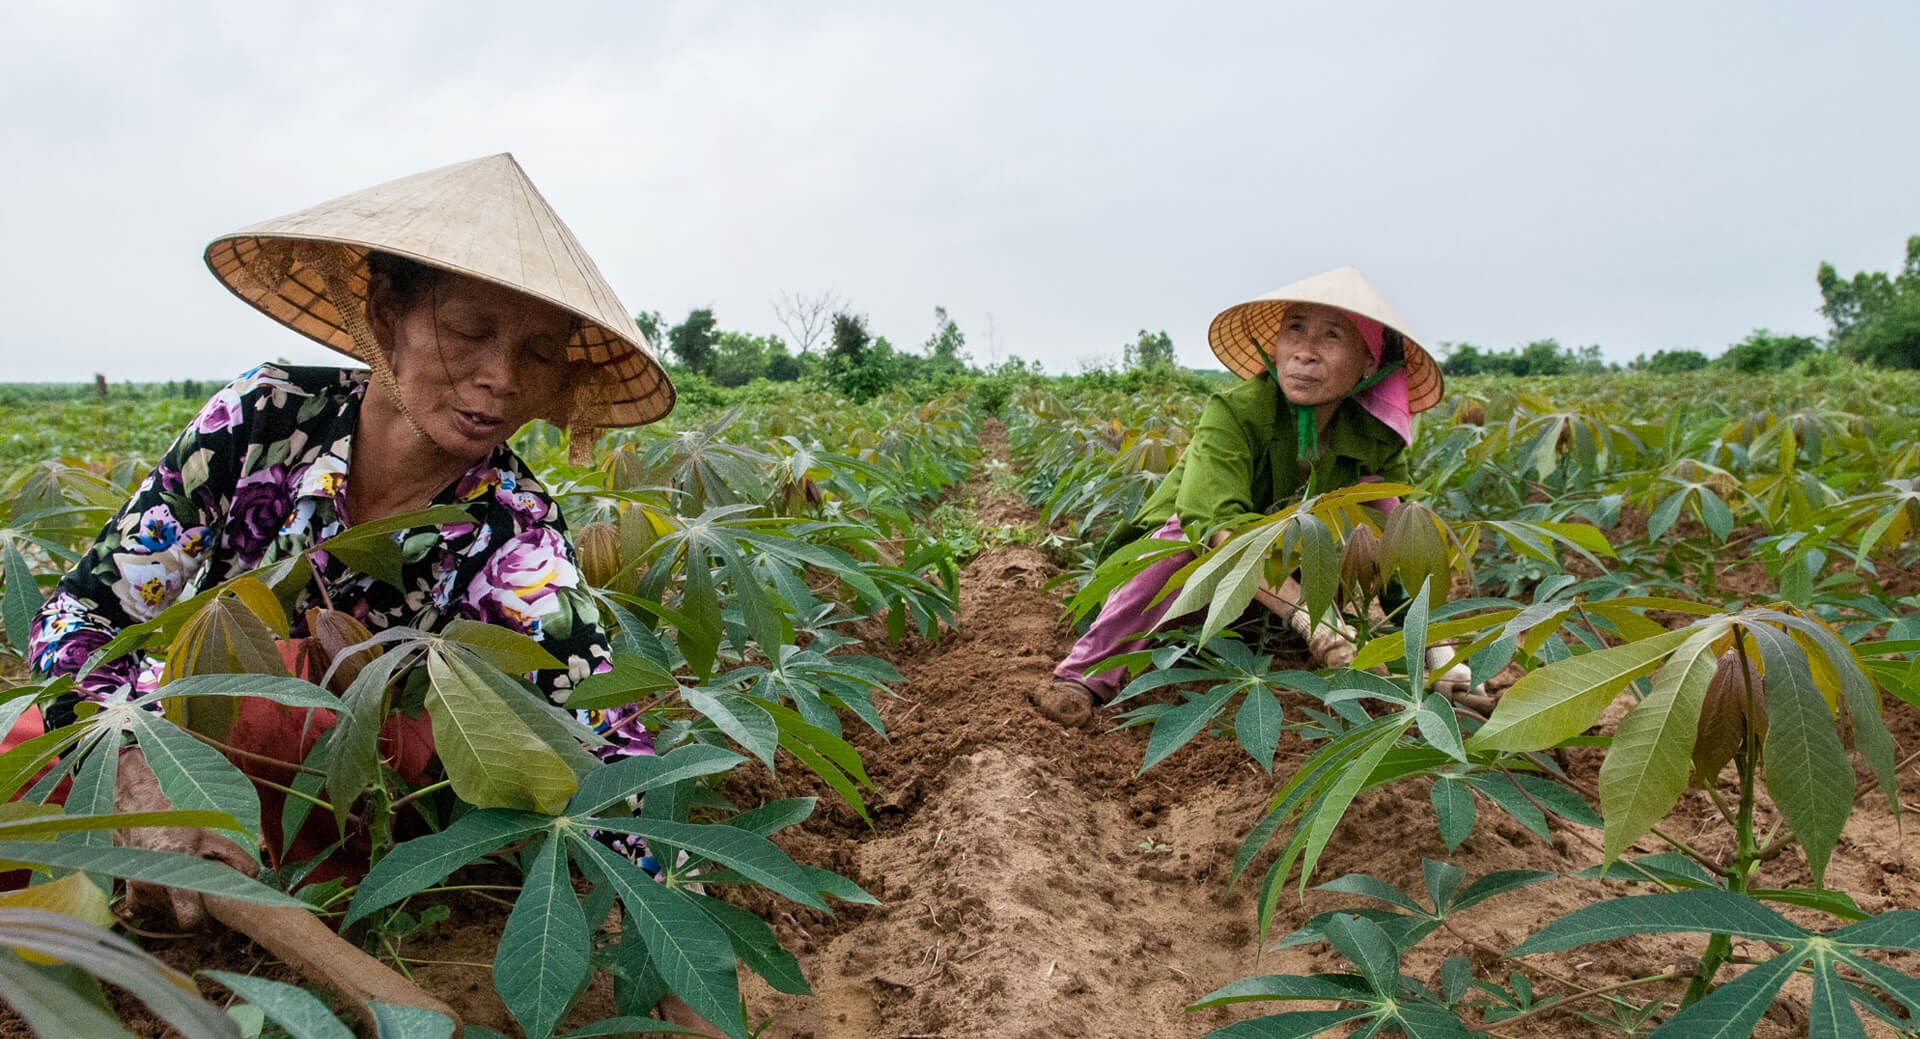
(136, 789)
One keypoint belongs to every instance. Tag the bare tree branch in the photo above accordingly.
(807, 317)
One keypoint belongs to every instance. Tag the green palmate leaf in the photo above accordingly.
(92, 794)
(756, 946)
(494, 759)
(1225, 579)
(1286, 987)
(1362, 941)
(1833, 1013)
(1173, 728)
(1298, 1024)
(1837, 903)
(1503, 790)
(749, 854)
(1453, 806)
(1258, 725)
(1870, 735)
(774, 816)
(21, 599)
(50, 1007)
(371, 548)
(504, 649)
(164, 868)
(194, 776)
(1311, 541)
(1563, 699)
(556, 726)
(1387, 647)
(1646, 770)
(632, 678)
(168, 993)
(1439, 726)
(690, 951)
(1732, 1010)
(833, 885)
(398, 1021)
(426, 861)
(1807, 771)
(1705, 909)
(353, 757)
(742, 719)
(1306, 785)
(1372, 887)
(1318, 828)
(38, 822)
(621, 1027)
(226, 636)
(611, 784)
(823, 743)
(541, 962)
(291, 1007)
(294, 692)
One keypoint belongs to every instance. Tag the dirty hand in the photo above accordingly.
(136, 789)
(1330, 644)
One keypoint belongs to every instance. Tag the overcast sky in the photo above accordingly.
(1636, 175)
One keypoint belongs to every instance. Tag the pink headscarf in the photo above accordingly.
(1385, 400)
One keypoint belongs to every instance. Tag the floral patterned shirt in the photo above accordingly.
(259, 477)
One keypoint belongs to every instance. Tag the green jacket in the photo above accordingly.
(1240, 463)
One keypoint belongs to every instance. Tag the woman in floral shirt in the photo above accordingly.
(477, 312)
(261, 476)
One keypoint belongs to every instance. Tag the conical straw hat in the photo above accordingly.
(481, 218)
(1241, 335)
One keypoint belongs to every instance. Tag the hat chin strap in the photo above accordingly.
(331, 264)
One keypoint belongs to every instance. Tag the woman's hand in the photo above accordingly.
(137, 790)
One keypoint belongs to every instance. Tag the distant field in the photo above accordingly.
(90, 428)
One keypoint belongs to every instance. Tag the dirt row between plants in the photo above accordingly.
(1035, 886)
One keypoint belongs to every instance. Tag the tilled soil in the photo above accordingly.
(1035, 886)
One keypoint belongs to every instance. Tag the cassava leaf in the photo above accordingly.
(541, 962)
(492, 756)
(1561, 700)
(1646, 770)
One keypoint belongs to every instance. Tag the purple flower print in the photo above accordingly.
(261, 504)
(521, 581)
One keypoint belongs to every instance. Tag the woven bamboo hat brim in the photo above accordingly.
(1241, 335)
(481, 218)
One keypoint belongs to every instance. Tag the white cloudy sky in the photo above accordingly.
(1637, 175)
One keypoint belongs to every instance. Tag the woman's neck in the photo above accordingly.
(1323, 415)
(394, 468)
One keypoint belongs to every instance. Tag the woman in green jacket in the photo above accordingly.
(1331, 384)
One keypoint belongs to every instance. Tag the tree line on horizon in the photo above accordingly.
(1873, 319)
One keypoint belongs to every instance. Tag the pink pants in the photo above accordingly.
(1124, 621)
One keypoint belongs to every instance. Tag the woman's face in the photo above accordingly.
(1320, 354)
(475, 361)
